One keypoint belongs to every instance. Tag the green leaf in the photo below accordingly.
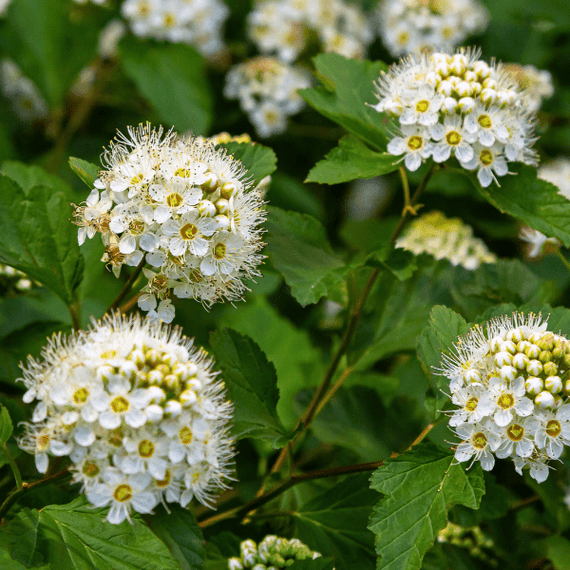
(77, 537)
(419, 487)
(181, 534)
(6, 427)
(444, 328)
(290, 349)
(173, 78)
(558, 552)
(348, 86)
(401, 263)
(334, 523)
(298, 247)
(7, 563)
(251, 384)
(85, 170)
(27, 176)
(533, 201)
(316, 564)
(37, 237)
(350, 160)
(50, 47)
(259, 161)
(288, 193)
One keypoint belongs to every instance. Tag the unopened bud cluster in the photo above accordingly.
(535, 84)
(511, 385)
(184, 206)
(410, 25)
(445, 238)
(270, 554)
(267, 92)
(137, 410)
(457, 106)
(12, 280)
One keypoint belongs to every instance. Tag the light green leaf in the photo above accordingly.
(334, 523)
(348, 86)
(298, 247)
(558, 552)
(251, 384)
(27, 176)
(533, 201)
(172, 77)
(419, 487)
(290, 349)
(6, 427)
(181, 534)
(50, 48)
(350, 160)
(85, 170)
(259, 161)
(77, 537)
(37, 237)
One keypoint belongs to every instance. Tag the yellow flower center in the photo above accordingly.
(174, 200)
(486, 157)
(90, 469)
(43, 441)
(119, 405)
(80, 396)
(479, 441)
(403, 38)
(109, 354)
(506, 401)
(485, 121)
(515, 432)
(188, 231)
(471, 404)
(220, 251)
(123, 493)
(169, 20)
(136, 227)
(553, 428)
(115, 438)
(185, 435)
(422, 106)
(137, 178)
(183, 173)
(146, 448)
(415, 142)
(453, 138)
(164, 482)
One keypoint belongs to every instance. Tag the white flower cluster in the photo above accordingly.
(14, 279)
(445, 238)
(195, 22)
(457, 105)
(267, 92)
(138, 411)
(26, 99)
(410, 25)
(271, 553)
(535, 84)
(539, 244)
(184, 207)
(511, 386)
(283, 26)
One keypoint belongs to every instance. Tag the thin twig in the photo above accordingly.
(15, 470)
(127, 287)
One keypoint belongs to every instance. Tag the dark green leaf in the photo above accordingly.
(334, 524)
(251, 383)
(316, 564)
(350, 160)
(288, 193)
(298, 246)
(50, 48)
(259, 161)
(532, 201)
(348, 86)
(172, 77)
(6, 427)
(419, 487)
(77, 537)
(85, 170)
(399, 262)
(181, 534)
(37, 237)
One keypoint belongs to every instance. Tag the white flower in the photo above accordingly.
(414, 143)
(150, 395)
(553, 431)
(453, 138)
(422, 108)
(489, 161)
(478, 441)
(539, 243)
(517, 437)
(509, 399)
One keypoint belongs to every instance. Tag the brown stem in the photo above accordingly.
(127, 287)
(74, 313)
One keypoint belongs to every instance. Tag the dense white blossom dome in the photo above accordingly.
(138, 411)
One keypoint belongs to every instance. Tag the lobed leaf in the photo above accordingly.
(37, 238)
(259, 161)
(251, 384)
(173, 78)
(298, 246)
(348, 86)
(77, 537)
(350, 160)
(419, 487)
